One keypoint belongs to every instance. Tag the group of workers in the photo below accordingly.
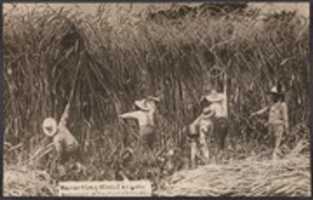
(213, 120)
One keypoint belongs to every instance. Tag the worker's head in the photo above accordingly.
(49, 126)
(212, 97)
(276, 95)
(152, 102)
(147, 104)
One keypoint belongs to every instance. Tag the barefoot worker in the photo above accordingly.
(66, 145)
(278, 117)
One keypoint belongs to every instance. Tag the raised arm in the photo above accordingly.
(225, 90)
(225, 85)
(64, 117)
(285, 116)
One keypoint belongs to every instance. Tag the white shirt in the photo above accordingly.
(144, 118)
(219, 109)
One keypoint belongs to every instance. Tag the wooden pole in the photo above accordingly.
(225, 93)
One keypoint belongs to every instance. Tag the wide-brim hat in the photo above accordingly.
(143, 103)
(214, 97)
(152, 98)
(49, 126)
(274, 90)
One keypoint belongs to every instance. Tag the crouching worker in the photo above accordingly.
(278, 118)
(67, 147)
(198, 132)
(145, 117)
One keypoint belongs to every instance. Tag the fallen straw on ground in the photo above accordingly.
(286, 177)
(27, 182)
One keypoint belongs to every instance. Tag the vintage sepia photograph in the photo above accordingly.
(156, 99)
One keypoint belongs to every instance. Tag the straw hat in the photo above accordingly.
(143, 104)
(276, 90)
(49, 126)
(214, 97)
(152, 98)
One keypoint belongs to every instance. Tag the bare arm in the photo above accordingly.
(193, 127)
(259, 112)
(130, 115)
(59, 149)
(285, 117)
(64, 117)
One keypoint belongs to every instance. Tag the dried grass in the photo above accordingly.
(125, 62)
(20, 182)
(286, 177)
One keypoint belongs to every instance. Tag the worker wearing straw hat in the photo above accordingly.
(212, 120)
(198, 131)
(145, 117)
(278, 117)
(66, 145)
(218, 104)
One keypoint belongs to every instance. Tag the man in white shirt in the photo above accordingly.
(212, 120)
(218, 104)
(145, 118)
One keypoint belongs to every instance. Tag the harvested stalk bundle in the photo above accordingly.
(287, 177)
(41, 152)
(27, 182)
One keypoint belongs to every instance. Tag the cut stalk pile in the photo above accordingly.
(28, 182)
(287, 177)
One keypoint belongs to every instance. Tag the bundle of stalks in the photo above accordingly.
(20, 181)
(289, 176)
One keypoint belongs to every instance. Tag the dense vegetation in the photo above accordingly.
(48, 52)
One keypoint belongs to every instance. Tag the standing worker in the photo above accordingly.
(145, 117)
(212, 122)
(278, 122)
(218, 104)
(66, 145)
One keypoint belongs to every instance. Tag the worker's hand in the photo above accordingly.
(252, 115)
(67, 106)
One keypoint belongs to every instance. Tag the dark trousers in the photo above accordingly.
(220, 131)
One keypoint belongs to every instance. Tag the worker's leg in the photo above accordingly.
(204, 145)
(193, 152)
(79, 161)
(223, 131)
(61, 169)
(148, 137)
(278, 134)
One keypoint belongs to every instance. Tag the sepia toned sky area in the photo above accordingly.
(90, 8)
